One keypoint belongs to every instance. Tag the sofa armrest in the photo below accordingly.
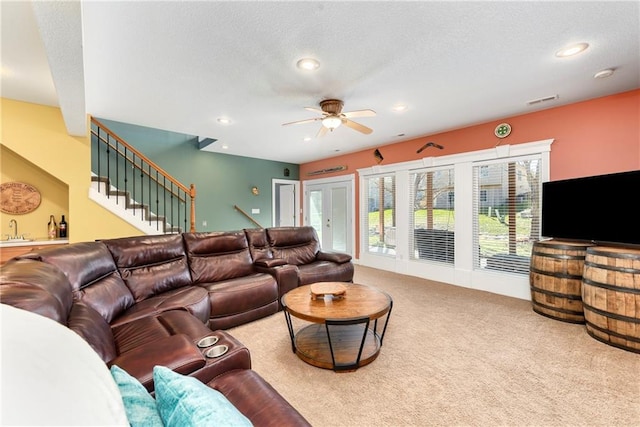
(337, 257)
(176, 352)
(285, 275)
(269, 262)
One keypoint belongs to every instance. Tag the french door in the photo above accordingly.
(329, 209)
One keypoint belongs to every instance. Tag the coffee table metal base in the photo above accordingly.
(312, 345)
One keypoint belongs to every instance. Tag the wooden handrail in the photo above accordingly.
(142, 156)
(248, 216)
(191, 190)
(140, 168)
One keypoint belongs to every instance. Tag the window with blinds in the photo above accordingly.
(431, 215)
(379, 217)
(506, 214)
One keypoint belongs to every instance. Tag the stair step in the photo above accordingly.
(146, 215)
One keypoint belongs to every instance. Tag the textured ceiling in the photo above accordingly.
(179, 66)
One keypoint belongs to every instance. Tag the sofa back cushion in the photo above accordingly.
(150, 265)
(218, 256)
(258, 243)
(93, 276)
(37, 287)
(296, 245)
(92, 327)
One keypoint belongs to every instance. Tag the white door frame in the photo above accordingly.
(350, 179)
(275, 195)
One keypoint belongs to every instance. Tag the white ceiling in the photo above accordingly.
(179, 65)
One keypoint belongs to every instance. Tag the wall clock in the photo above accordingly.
(503, 130)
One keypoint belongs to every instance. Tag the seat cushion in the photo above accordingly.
(140, 332)
(242, 294)
(193, 299)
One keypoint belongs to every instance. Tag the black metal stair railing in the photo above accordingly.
(139, 184)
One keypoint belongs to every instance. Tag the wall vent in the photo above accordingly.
(545, 99)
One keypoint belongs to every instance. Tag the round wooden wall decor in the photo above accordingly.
(19, 198)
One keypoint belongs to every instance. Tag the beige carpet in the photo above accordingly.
(457, 357)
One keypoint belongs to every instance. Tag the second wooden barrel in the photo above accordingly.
(611, 296)
(555, 278)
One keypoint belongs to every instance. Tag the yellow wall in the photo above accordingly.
(36, 136)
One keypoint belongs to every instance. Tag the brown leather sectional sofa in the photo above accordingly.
(147, 300)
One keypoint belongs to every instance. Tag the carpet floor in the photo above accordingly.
(457, 357)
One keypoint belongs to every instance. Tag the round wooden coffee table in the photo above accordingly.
(343, 334)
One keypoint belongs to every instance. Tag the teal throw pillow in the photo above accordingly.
(139, 405)
(185, 401)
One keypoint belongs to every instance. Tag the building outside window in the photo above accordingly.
(506, 214)
(380, 217)
(432, 220)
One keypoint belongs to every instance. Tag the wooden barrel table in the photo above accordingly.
(611, 296)
(555, 278)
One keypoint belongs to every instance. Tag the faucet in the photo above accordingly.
(14, 224)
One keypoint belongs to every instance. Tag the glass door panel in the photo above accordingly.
(329, 213)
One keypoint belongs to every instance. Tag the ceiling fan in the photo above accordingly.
(332, 117)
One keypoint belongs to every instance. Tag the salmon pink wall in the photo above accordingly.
(592, 137)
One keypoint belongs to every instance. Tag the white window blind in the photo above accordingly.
(506, 213)
(379, 217)
(432, 215)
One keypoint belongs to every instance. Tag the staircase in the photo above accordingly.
(131, 186)
(121, 203)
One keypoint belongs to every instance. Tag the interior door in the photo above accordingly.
(329, 212)
(286, 206)
(286, 203)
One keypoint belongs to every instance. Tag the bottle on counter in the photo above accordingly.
(52, 229)
(62, 228)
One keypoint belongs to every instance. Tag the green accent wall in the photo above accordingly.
(221, 180)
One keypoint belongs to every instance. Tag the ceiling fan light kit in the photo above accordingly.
(331, 122)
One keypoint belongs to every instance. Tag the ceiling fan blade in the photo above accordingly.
(321, 132)
(357, 126)
(315, 110)
(359, 113)
(302, 121)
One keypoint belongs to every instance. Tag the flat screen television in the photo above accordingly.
(599, 209)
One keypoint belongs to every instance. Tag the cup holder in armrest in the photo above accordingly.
(207, 341)
(216, 351)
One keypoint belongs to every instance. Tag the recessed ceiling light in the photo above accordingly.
(574, 49)
(224, 120)
(308, 64)
(399, 107)
(307, 138)
(604, 73)
(225, 147)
